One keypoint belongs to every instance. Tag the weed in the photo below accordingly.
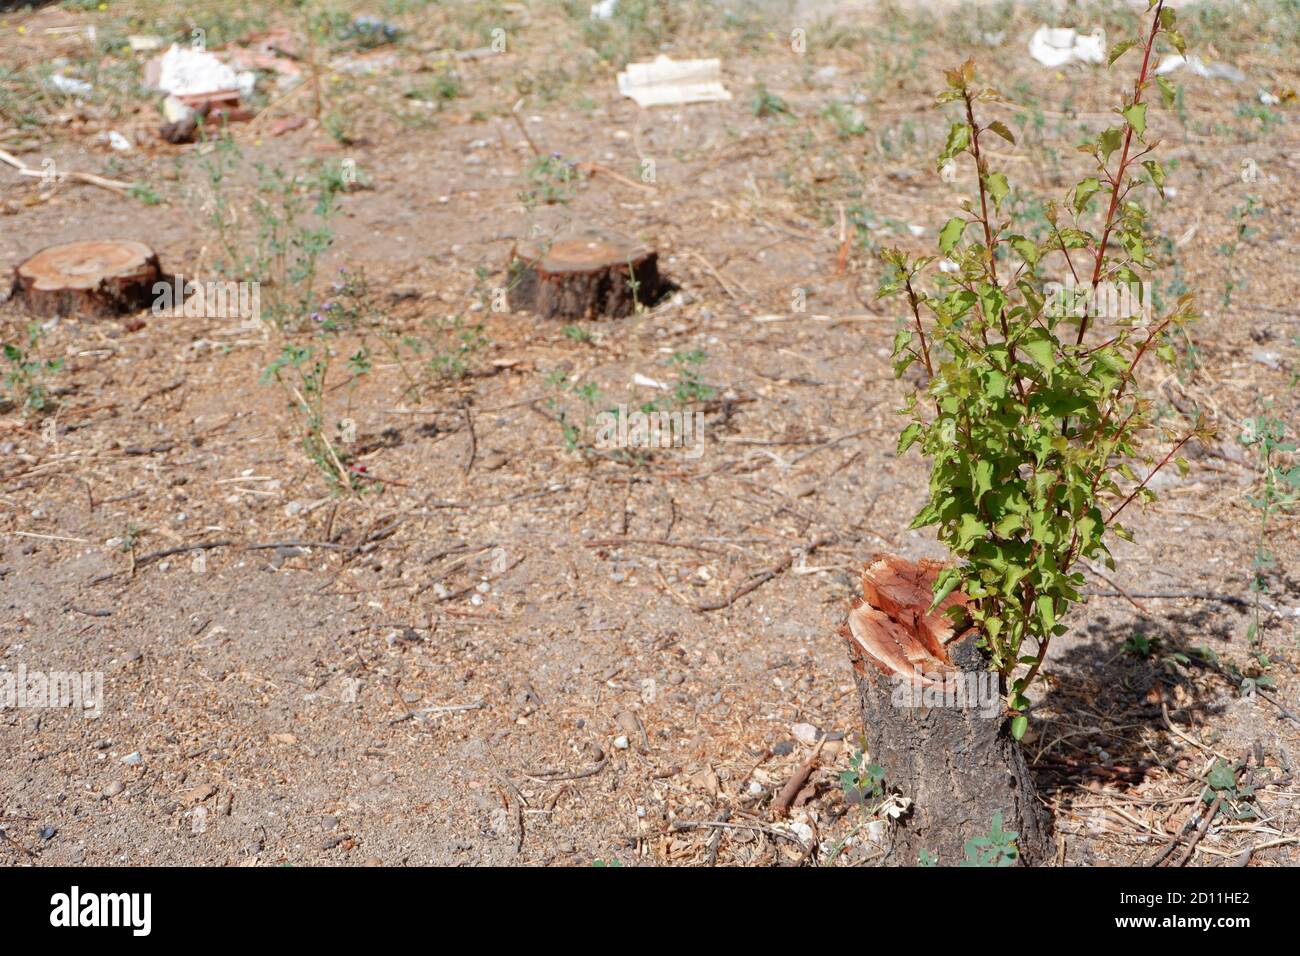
(1139, 645)
(550, 180)
(303, 372)
(767, 103)
(26, 374)
(1221, 784)
(278, 238)
(1240, 215)
(1279, 490)
(996, 848)
(863, 781)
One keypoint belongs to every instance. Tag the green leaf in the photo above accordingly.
(909, 436)
(999, 127)
(996, 184)
(958, 140)
(969, 530)
(1222, 777)
(1083, 192)
(1119, 49)
(1157, 174)
(1109, 141)
(1038, 345)
(1168, 93)
(1136, 116)
(950, 234)
(1019, 724)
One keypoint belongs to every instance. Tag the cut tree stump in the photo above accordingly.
(583, 277)
(98, 277)
(934, 721)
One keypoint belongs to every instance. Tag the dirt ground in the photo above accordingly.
(499, 648)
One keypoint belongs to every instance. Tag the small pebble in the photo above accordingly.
(806, 734)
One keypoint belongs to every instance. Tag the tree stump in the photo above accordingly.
(583, 277)
(934, 721)
(92, 278)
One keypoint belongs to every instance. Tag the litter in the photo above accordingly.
(144, 44)
(369, 32)
(1213, 71)
(66, 84)
(1059, 46)
(646, 382)
(603, 10)
(665, 81)
(187, 72)
(176, 111)
(119, 142)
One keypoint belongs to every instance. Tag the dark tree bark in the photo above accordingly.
(586, 277)
(94, 278)
(942, 739)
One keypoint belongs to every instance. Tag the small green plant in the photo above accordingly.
(26, 374)
(551, 179)
(279, 235)
(145, 193)
(1241, 216)
(1139, 645)
(441, 90)
(847, 121)
(128, 538)
(863, 781)
(1221, 784)
(1279, 490)
(1031, 426)
(690, 386)
(574, 426)
(767, 103)
(303, 372)
(995, 848)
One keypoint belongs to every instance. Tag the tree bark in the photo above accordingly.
(94, 278)
(586, 277)
(935, 723)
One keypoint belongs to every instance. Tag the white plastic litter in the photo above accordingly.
(603, 10)
(174, 111)
(646, 381)
(1059, 46)
(66, 84)
(185, 71)
(1214, 71)
(144, 43)
(665, 81)
(119, 142)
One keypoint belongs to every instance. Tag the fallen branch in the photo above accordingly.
(112, 185)
(781, 806)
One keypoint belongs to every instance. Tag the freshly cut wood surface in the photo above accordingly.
(587, 276)
(96, 277)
